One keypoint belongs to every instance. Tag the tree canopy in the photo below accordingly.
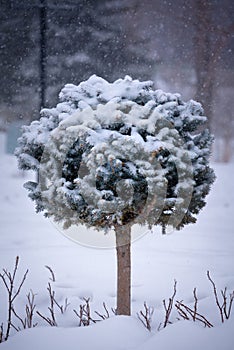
(111, 154)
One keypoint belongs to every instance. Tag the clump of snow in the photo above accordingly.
(97, 90)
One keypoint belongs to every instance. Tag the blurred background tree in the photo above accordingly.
(182, 46)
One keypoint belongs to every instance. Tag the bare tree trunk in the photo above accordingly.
(207, 54)
(204, 65)
(226, 149)
(43, 46)
(123, 249)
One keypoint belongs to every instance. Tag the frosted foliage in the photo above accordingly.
(115, 153)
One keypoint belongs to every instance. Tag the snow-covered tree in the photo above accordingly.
(110, 155)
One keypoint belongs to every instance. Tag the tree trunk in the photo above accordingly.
(207, 54)
(123, 249)
(204, 64)
(227, 149)
(43, 47)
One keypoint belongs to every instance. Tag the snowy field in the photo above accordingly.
(82, 272)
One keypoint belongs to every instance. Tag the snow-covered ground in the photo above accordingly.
(82, 272)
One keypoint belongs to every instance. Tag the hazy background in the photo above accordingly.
(183, 46)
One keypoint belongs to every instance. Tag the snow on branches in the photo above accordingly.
(113, 153)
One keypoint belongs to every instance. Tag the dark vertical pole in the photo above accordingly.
(42, 62)
(43, 27)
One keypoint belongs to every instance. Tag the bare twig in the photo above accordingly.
(8, 280)
(103, 316)
(62, 308)
(1, 333)
(30, 308)
(27, 322)
(51, 308)
(52, 273)
(79, 315)
(23, 322)
(220, 307)
(195, 304)
(146, 316)
(226, 306)
(114, 311)
(17, 329)
(51, 320)
(181, 312)
(168, 308)
(185, 311)
(107, 313)
(84, 314)
(47, 319)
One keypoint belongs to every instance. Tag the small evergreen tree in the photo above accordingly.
(110, 155)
